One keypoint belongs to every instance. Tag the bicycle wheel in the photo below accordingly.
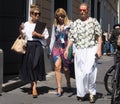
(108, 79)
(116, 85)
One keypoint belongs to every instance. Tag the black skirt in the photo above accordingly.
(33, 68)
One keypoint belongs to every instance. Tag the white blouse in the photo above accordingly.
(29, 28)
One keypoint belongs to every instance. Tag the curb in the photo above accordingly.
(12, 85)
(12, 82)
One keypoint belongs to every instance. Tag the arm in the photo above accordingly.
(21, 27)
(98, 31)
(21, 30)
(44, 35)
(52, 40)
(67, 48)
(99, 52)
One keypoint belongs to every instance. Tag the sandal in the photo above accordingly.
(80, 98)
(92, 98)
(59, 92)
(34, 93)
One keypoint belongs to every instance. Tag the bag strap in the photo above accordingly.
(95, 36)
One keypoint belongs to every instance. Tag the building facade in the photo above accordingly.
(106, 11)
(12, 13)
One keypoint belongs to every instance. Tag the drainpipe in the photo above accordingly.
(69, 8)
(118, 9)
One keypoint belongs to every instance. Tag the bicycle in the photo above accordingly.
(108, 79)
(112, 79)
(116, 81)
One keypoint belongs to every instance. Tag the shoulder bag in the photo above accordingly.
(19, 45)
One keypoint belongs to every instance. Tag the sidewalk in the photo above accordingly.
(13, 88)
(12, 81)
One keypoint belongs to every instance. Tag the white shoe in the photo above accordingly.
(104, 53)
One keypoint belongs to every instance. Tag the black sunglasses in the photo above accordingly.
(62, 16)
(36, 13)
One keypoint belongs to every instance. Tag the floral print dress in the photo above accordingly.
(60, 43)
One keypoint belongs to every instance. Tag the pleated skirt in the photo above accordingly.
(32, 66)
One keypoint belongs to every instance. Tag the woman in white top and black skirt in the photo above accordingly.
(33, 68)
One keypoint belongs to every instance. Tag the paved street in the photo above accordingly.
(47, 90)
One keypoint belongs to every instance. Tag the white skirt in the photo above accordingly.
(85, 70)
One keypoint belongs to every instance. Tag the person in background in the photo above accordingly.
(32, 68)
(115, 39)
(116, 26)
(114, 35)
(87, 50)
(112, 48)
(59, 39)
(106, 43)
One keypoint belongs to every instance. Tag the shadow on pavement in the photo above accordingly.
(41, 90)
(45, 89)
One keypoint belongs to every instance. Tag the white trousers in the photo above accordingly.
(85, 70)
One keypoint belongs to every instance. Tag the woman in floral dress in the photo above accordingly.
(59, 38)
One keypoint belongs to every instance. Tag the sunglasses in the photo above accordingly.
(36, 13)
(62, 16)
(84, 10)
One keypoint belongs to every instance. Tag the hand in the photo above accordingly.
(23, 35)
(98, 54)
(34, 33)
(22, 26)
(49, 53)
(49, 56)
(66, 54)
(67, 32)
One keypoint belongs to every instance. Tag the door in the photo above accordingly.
(12, 13)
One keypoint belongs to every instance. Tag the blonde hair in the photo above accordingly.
(58, 12)
(34, 7)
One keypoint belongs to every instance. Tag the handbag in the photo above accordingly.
(19, 45)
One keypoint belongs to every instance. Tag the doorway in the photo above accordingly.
(12, 13)
(60, 4)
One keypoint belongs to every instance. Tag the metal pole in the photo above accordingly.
(1, 70)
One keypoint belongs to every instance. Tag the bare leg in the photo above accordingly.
(34, 89)
(58, 74)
